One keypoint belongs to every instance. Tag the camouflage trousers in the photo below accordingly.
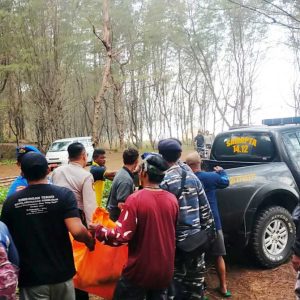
(189, 275)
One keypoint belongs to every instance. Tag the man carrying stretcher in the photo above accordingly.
(147, 224)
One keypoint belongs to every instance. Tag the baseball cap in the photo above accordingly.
(146, 154)
(170, 144)
(155, 164)
(34, 165)
(22, 150)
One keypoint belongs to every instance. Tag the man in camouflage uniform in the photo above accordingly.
(194, 215)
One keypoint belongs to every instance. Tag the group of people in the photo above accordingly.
(168, 223)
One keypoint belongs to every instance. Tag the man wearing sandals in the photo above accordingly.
(211, 182)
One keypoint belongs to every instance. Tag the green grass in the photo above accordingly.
(7, 162)
(3, 194)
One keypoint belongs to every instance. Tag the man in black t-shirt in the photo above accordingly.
(199, 140)
(39, 219)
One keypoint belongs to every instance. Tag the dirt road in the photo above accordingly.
(244, 280)
(247, 283)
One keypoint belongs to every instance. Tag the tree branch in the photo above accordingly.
(282, 10)
(274, 21)
(107, 47)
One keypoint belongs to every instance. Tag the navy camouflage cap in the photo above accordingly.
(170, 144)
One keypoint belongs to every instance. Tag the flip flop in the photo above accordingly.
(224, 295)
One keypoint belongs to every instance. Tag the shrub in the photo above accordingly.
(107, 187)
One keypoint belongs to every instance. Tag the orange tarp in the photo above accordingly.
(98, 271)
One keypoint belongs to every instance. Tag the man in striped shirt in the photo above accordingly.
(194, 216)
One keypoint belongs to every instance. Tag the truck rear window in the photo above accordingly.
(243, 146)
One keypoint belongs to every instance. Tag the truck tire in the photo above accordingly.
(273, 236)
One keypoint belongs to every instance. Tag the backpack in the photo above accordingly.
(8, 276)
(200, 241)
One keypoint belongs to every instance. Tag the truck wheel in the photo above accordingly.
(273, 236)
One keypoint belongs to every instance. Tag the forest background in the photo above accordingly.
(130, 71)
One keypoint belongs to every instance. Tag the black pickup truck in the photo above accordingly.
(263, 164)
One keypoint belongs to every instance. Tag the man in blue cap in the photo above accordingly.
(195, 217)
(40, 219)
(20, 182)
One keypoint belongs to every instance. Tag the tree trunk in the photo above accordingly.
(106, 41)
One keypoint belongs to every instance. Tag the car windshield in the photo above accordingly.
(59, 146)
(244, 146)
(86, 142)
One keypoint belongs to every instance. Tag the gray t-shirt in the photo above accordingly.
(122, 187)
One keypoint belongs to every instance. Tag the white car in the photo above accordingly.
(58, 154)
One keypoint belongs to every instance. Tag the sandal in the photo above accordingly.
(224, 295)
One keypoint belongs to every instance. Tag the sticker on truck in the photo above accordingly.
(242, 178)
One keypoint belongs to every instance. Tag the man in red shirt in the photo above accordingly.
(147, 223)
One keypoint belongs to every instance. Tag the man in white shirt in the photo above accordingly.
(80, 182)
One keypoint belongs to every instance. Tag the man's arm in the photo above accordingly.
(12, 254)
(110, 175)
(52, 175)
(222, 181)
(18, 185)
(89, 199)
(79, 232)
(124, 231)
(72, 220)
(195, 142)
